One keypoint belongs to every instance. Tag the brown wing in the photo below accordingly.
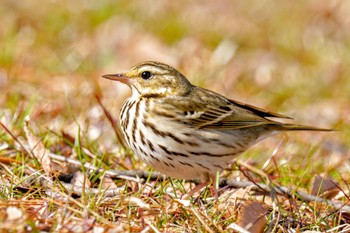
(259, 111)
(209, 110)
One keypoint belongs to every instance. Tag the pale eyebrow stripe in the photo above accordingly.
(152, 68)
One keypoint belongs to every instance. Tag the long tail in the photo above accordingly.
(282, 127)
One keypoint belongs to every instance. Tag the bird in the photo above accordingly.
(185, 131)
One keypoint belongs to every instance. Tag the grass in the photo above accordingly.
(288, 57)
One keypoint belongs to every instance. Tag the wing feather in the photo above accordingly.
(208, 110)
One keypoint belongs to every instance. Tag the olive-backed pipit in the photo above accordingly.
(185, 131)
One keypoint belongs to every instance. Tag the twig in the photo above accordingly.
(13, 136)
(283, 191)
(79, 190)
(125, 175)
(113, 122)
(223, 182)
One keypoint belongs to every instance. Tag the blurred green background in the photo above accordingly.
(288, 56)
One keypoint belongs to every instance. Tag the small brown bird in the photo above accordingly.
(185, 131)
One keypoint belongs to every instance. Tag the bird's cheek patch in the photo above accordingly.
(162, 90)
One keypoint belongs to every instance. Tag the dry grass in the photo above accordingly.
(290, 57)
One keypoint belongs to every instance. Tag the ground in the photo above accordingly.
(289, 57)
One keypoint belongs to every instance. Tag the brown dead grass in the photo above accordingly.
(290, 57)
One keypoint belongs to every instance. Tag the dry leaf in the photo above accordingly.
(233, 199)
(107, 182)
(42, 154)
(38, 149)
(78, 180)
(252, 216)
(229, 207)
(139, 202)
(62, 148)
(324, 187)
(12, 218)
(13, 213)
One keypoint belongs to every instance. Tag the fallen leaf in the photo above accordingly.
(107, 182)
(139, 202)
(79, 179)
(13, 213)
(324, 186)
(38, 149)
(252, 216)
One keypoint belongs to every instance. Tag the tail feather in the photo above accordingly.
(282, 127)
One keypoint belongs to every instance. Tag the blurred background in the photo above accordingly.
(291, 57)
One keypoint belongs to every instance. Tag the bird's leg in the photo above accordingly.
(213, 190)
(195, 190)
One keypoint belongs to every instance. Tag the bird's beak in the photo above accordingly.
(117, 77)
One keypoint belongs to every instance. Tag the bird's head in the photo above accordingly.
(153, 79)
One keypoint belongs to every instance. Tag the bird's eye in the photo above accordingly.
(146, 75)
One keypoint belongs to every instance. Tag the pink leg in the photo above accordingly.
(213, 189)
(195, 190)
